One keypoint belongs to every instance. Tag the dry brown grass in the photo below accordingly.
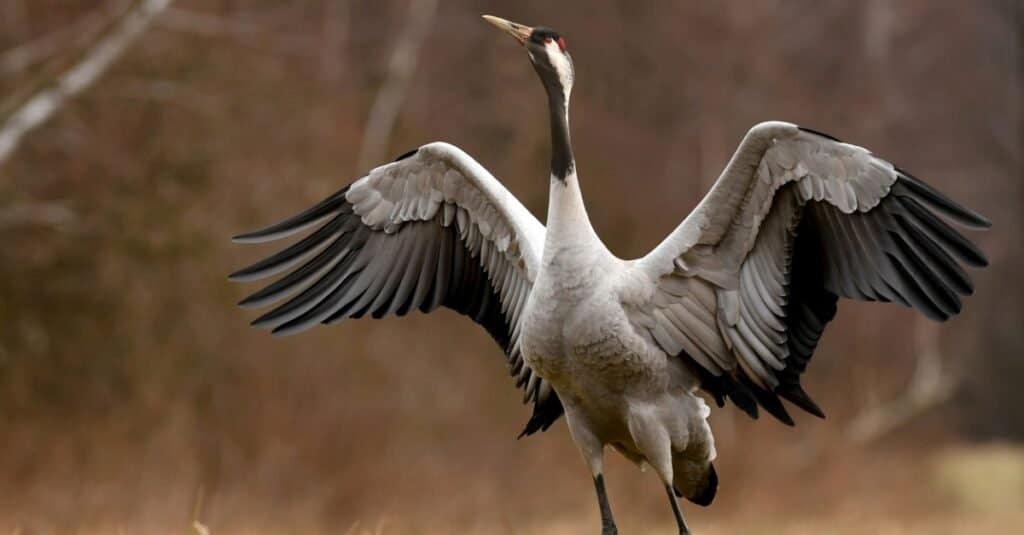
(129, 380)
(964, 489)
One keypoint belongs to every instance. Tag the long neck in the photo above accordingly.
(562, 161)
(568, 225)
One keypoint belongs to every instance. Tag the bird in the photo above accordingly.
(729, 307)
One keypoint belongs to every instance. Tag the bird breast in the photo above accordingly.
(577, 336)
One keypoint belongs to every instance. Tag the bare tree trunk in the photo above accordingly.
(83, 30)
(41, 106)
(385, 108)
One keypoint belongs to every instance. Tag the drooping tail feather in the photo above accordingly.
(700, 490)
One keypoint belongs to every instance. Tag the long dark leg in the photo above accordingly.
(680, 521)
(607, 522)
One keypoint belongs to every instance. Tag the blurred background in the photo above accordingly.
(137, 136)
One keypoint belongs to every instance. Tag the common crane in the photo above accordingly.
(732, 303)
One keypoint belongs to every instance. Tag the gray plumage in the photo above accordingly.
(733, 302)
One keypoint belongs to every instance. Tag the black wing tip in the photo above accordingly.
(545, 414)
(244, 275)
(965, 250)
(983, 223)
(722, 387)
(407, 154)
(796, 395)
(271, 233)
(964, 215)
(260, 322)
(297, 222)
(768, 400)
(730, 387)
(917, 297)
(252, 301)
(744, 399)
(288, 329)
(534, 425)
(255, 236)
(818, 133)
(530, 430)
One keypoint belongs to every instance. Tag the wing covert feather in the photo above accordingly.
(432, 228)
(797, 220)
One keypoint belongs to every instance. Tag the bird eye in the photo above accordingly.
(547, 40)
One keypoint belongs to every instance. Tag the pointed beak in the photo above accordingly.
(521, 32)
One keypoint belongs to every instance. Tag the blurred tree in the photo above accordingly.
(34, 112)
(128, 380)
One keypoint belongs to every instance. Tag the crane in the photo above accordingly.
(730, 305)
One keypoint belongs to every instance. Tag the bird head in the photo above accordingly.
(548, 53)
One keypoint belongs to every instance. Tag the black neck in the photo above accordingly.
(562, 162)
(558, 101)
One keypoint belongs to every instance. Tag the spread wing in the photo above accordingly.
(744, 287)
(431, 229)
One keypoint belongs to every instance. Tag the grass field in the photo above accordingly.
(960, 489)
